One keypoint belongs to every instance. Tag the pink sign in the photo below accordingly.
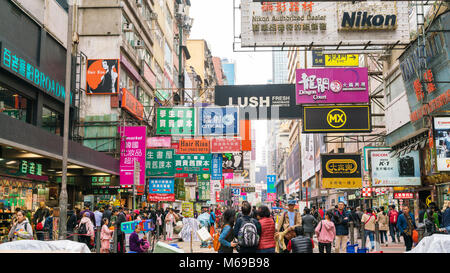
(228, 145)
(228, 175)
(158, 142)
(132, 148)
(271, 197)
(332, 85)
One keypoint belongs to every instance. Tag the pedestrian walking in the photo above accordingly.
(105, 236)
(369, 221)
(247, 230)
(170, 220)
(267, 239)
(72, 223)
(321, 212)
(356, 219)
(326, 233)
(406, 225)
(48, 226)
(21, 228)
(393, 218)
(289, 220)
(159, 220)
(97, 217)
(226, 238)
(340, 219)
(383, 225)
(39, 220)
(121, 218)
(86, 232)
(308, 223)
(300, 243)
(107, 214)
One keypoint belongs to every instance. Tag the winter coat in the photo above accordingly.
(135, 242)
(89, 226)
(309, 223)
(40, 215)
(106, 233)
(446, 218)
(301, 244)
(393, 216)
(121, 218)
(21, 231)
(341, 223)
(284, 221)
(266, 239)
(369, 220)
(383, 222)
(325, 231)
(72, 222)
(402, 225)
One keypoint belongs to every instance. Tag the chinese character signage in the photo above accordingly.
(100, 180)
(158, 142)
(332, 85)
(30, 167)
(334, 60)
(132, 148)
(193, 163)
(442, 140)
(341, 171)
(218, 121)
(204, 190)
(271, 179)
(102, 76)
(403, 195)
(390, 171)
(161, 189)
(193, 146)
(216, 162)
(232, 162)
(176, 121)
(332, 119)
(180, 192)
(225, 145)
(160, 162)
(132, 105)
(23, 68)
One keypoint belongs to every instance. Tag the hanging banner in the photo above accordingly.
(225, 145)
(390, 171)
(193, 146)
(190, 180)
(271, 180)
(161, 185)
(218, 121)
(102, 76)
(203, 177)
(193, 163)
(187, 209)
(132, 105)
(341, 171)
(132, 148)
(176, 121)
(332, 85)
(160, 162)
(158, 142)
(334, 60)
(180, 193)
(232, 162)
(216, 161)
(162, 197)
(204, 190)
(307, 152)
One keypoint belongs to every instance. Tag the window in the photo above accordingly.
(159, 36)
(147, 56)
(15, 105)
(52, 121)
(168, 60)
(128, 29)
(145, 99)
(394, 87)
(169, 25)
(126, 81)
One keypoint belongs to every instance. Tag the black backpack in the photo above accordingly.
(248, 235)
(82, 229)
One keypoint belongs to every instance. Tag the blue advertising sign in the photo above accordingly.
(218, 121)
(236, 191)
(216, 173)
(161, 185)
(271, 179)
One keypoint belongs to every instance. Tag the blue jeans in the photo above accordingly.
(266, 250)
(371, 237)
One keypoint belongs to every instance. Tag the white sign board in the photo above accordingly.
(390, 171)
(323, 23)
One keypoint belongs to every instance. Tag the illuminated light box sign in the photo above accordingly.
(334, 60)
(341, 171)
(193, 163)
(218, 121)
(102, 76)
(160, 162)
(194, 146)
(403, 195)
(100, 180)
(176, 121)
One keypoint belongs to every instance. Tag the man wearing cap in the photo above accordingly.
(285, 228)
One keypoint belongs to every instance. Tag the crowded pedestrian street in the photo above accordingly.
(251, 129)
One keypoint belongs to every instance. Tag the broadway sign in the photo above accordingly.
(334, 119)
(271, 101)
(341, 171)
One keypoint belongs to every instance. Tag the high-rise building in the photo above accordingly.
(229, 68)
(280, 67)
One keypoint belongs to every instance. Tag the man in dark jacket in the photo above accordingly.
(41, 213)
(241, 221)
(340, 221)
(72, 223)
(301, 243)
(120, 235)
(107, 214)
(309, 223)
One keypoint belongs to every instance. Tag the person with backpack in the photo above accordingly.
(369, 221)
(226, 237)
(309, 222)
(406, 224)
(325, 232)
(247, 230)
(289, 220)
(340, 219)
(431, 222)
(48, 226)
(86, 232)
(393, 218)
(267, 239)
(21, 228)
(159, 221)
(300, 243)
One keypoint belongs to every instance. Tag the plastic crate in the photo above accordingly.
(351, 248)
(362, 250)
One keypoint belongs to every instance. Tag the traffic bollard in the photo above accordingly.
(352, 233)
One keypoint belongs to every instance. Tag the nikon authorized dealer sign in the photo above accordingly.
(332, 119)
(341, 171)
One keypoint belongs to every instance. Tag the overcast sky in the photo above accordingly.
(213, 22)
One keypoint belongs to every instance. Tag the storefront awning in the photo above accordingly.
(414, 143)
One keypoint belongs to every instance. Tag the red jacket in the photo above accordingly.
(267, 233)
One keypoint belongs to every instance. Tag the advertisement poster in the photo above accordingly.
(218, 121)
(132, 105)
(180, 193)
(102, 76)
(271, 180)
(175, 121)
(390, 171)
(332, 85)
(193, 146)
(308, 163)
(158, 142)
(442, 142)
(161, 185)
(204, 190)
(160, 162)
(341, 171)
(187, 209)
(225, 145)
(216, 161)
(132, 148)
(193, 163)
(232, 162)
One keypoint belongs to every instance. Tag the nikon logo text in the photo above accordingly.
(336, 118)
(363, 20)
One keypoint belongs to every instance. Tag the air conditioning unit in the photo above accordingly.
(139, 3)
(127, 27)
(138, 44)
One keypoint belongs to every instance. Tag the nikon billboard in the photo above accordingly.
(337, 119)
(341, 171)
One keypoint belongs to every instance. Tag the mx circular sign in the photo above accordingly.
(336, 118)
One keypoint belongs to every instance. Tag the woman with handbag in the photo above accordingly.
(285, 229)
(325, 232)
(369, 221)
